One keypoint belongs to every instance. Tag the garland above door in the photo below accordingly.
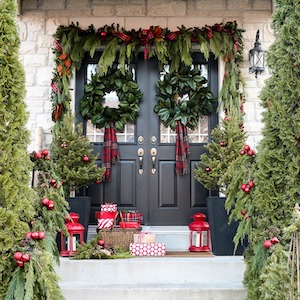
(170, 47)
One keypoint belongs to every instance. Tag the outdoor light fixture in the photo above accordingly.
(256, 57)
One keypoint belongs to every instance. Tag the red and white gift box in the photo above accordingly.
(106, 219)
(109, 207)
(146, 249)
(132, 216)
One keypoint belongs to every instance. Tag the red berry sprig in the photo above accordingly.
(247, 150)
(21, 258)
(48, 203)
(272, 241)
(246, 187)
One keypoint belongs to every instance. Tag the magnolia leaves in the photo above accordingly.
(93, 106)
(183, 96)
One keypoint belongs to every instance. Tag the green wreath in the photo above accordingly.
(182, 96)
(129, 94)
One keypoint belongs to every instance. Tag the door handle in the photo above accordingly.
(140, 153)
(153, 153)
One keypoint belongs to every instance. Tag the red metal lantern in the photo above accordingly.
(76, 235)
(199, 234)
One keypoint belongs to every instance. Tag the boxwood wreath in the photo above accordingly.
(121, 46)
(128, 92)
(182, 96)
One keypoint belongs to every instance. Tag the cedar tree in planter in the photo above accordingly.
(75, 165)
(227, 141)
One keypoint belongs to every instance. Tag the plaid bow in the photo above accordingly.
(110, 152)
(182, 149)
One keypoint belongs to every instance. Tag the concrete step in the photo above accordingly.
(145, 278)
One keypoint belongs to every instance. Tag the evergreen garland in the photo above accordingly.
(183, 96)
(170, 47)
(128, 93)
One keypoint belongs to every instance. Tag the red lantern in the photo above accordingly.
(199, 234)
(76, 233)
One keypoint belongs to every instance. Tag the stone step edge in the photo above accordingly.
(158, 286)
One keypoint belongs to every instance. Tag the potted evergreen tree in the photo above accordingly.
(228, 138)
(75, 164)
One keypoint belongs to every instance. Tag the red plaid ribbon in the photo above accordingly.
(121, 35)
(145, 38)
(110, 152)
(182, 149)
(172, 36)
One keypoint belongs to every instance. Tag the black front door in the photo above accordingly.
(144, 179)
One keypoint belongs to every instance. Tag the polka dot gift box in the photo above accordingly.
(147, 249)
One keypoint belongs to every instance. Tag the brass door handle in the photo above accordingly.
(153, 153)
(140, 153)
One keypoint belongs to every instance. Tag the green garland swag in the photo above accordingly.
(170, 47)
(128, 92)
(182, 96)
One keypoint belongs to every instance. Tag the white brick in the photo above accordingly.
(78, 4)
(57, 4)
(256, 17)
(239, 4)
(30, 79)
(166, 8)
(145, 23)
(249, 112)
(37, 92)
(53, 23)
(28, 47)
(44, 76)
(130, 10)
(262, 5)
(104, 11)
(22, 30)
(210, 5)
(36, 60)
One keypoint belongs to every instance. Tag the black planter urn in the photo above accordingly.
(81, 205)
(221, 232)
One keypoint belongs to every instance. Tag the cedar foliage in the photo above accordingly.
(277, 166)
(16, 198)
(20, 206)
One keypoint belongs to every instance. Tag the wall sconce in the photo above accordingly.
(256, 57)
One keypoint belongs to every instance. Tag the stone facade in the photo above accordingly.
(39, 19)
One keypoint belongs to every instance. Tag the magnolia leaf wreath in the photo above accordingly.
(182, 96)
(93, 107)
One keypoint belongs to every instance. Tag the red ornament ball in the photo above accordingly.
(63, 145)
(45, 152)
(243, 212)
(42, 235)
(38, 155)
(243, 186)
(50, 205)
(101, 243)
(98, 181)
(25, 257)
(35, 235)
(251, 152)
(247, 148)
(274, 240)
(28, 235)
(208, 169)
(268, 244)
(45, 201)
(222, 144)
(85, 158)
(242, 152)
(20, 263)
(251, 183)
(18, 255)
(103, 33)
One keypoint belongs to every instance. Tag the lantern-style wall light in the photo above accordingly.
(199, 234)
(256, 57)
(69, 243)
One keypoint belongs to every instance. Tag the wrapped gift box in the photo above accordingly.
(145, 249)
(106, 219)
(109, 207)
(132, 216)
(144, 237)
(129, 225)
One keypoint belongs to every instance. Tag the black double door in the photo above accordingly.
(144, 179)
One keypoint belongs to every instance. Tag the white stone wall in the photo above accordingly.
(39, 19)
